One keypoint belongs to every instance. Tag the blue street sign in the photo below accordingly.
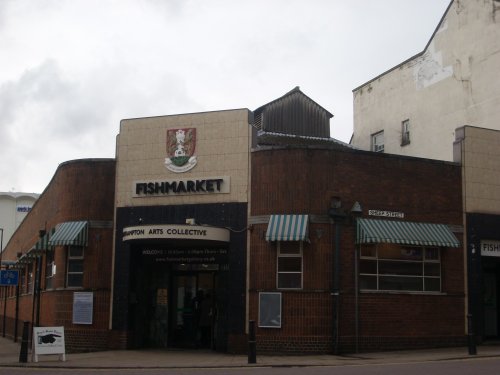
(9, 277)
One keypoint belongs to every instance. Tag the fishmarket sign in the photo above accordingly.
(490, 248)
(175, 232)
(208, 185)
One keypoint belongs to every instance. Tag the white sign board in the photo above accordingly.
(490, 248)
(177, 232)
(399, 215)
(48, 340)
(83, 307)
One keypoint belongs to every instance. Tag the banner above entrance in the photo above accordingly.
(176, 232)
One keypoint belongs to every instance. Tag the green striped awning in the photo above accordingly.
(73, 233)
(42, 244)
(403, 232)
(287, 228)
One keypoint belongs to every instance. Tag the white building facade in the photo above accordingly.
(13, 209)
(414, 108)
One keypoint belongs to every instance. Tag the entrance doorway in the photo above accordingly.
(490, 305)
(490, 298)
(176, 306)
(192, 312)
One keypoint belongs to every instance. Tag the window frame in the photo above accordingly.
(424, 264)
(50, 269)
(30, 280)
(70, 258)
(405, 132)
(280, 254)
(377, 146)
(22, 280)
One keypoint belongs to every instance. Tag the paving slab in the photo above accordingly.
(157, 358)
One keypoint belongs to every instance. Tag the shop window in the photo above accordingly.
(50, 270)
(289, 265)
(390, 267)
(378, 142)
(75, 267)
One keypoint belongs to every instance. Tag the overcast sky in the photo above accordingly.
(70, 70)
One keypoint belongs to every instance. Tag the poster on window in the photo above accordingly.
(270, 310)
(83, 307)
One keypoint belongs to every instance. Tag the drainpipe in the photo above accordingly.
(337, 215)
(336, 290)
(17, 313)
(38, 289)
(356, 298)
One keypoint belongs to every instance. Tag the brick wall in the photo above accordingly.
(302, 181)
(80, 190)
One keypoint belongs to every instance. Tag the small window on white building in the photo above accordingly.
(378, 142)
(405, 132)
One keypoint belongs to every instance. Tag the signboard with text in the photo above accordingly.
(176, 232)
(383, 213)
(83, 307)
(48, 340)
(9, 277)
(490, 248)
(202, 256)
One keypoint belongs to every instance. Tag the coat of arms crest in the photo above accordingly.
(180, 149)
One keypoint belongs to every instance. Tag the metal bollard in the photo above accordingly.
(23, 355)
(471, 339)
(252, 344)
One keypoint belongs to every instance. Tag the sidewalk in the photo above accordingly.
(9, 357)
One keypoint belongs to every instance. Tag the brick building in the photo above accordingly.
(222, 218)
(402, 287)
(61, 250)
(358, 250)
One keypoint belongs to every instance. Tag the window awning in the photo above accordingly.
(407, 233)
(42, 244)
(73, 233)
(287, 228)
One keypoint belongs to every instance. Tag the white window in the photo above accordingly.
(50, 270)
(394, 267)
(289, 267)
(405, 133)
(378, 142)
(30, 278)
(75, 267)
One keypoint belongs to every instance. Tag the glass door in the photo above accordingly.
(192, 313)
(184, 294)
